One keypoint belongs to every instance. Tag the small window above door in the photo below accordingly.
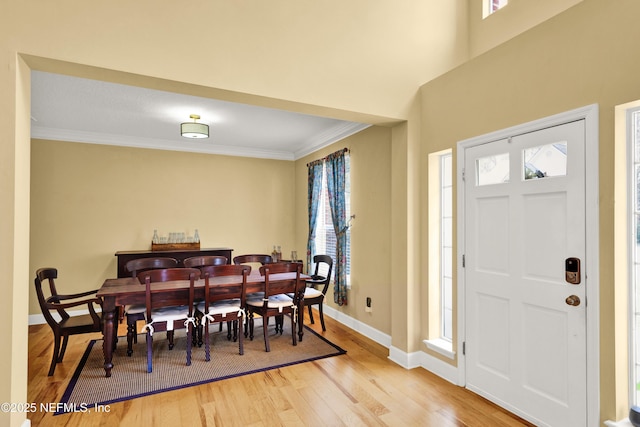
(491, 6)
(492, 169)
(544, 161)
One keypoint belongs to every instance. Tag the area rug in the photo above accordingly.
(129, 378)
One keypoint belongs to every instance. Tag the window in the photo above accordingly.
(545, 161)
(492, 170)
(446, 248)
(329, 201)
(325, 241)
(634, 251)
(491, 6)
(441, 253)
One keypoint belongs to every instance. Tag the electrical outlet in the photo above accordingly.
(367, 307)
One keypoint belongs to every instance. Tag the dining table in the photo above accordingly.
(124, 291)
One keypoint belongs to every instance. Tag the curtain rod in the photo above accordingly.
(344, 150)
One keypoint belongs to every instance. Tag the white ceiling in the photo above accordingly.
(74, 109)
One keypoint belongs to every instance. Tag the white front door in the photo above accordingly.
(524, 220)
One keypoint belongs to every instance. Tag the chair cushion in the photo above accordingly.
(135, 309)
(222, 307)
(275, 301)
(169, 315)
(312, 293)
(309, 293)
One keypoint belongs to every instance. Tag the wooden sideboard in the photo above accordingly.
(180, 255)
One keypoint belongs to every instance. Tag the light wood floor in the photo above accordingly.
(361, 388)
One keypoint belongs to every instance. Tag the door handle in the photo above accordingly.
(572, 300)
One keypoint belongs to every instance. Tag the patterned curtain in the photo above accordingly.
(314, 188)
(335, 164)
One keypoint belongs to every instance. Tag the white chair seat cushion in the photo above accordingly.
(275, 301)
(135, 308)
(311, 292)
(222, 307)
(169, 315)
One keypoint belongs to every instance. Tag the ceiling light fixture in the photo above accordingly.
(194, 130)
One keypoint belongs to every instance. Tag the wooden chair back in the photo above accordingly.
(317, 278)
(206, 260)
(168, 275)
(291, 285)
(253, 258)
(136, 266)
(222, 291)
(49, 303)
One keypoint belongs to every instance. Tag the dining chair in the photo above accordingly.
(313, 295)
(198, 262)
(158, 317)
(252, 260)
(63, 324)
(224, 301)
(275, 302)
(136, 312)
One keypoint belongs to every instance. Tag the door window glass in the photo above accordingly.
(545, 160)
(492, 169)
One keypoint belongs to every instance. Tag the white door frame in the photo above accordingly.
(590, 115)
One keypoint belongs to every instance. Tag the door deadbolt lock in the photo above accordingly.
(572, 270)
(573, 300)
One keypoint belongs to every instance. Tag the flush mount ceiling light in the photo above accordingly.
(194, 130)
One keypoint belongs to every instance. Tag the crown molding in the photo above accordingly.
(329, 137)
(318, 142)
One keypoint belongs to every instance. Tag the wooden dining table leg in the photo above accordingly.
(108, 336)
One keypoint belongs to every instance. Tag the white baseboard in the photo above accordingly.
(404, 359)
(440, 368)
(418, 359)
(36, 319)
(358, 326)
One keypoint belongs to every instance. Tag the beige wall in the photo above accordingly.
(580, 57)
